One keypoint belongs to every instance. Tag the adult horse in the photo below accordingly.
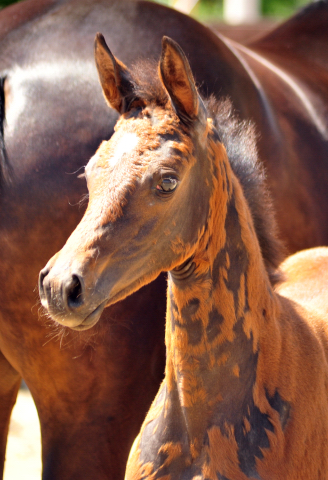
(91, 394)
(245, 393)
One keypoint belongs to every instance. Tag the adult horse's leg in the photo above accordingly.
(9, 385)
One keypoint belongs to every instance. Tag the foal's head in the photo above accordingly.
(150, 189)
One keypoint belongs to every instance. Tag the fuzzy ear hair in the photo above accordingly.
(114, 76)
(178, 80)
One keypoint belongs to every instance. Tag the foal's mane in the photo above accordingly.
(239, 139)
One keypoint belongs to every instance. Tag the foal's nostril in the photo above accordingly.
(73, 292)
(42, 276)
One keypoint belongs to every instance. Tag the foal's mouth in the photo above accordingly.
(91, 319)
(111, 299)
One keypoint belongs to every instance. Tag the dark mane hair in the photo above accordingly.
(239, 139)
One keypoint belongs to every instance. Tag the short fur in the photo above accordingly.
(245, 389)
(239, 138)
(235, 403)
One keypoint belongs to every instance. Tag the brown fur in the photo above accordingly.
(239, 138)
(127, 215)
(235, 402)
(245, 388)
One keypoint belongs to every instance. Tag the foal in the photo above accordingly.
(245, 388)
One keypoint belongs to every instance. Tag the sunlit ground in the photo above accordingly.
(23, 459)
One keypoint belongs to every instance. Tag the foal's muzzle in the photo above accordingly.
(64, 298)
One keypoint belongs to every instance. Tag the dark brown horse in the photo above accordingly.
(289, 67)
(92, 389)
(245, 394)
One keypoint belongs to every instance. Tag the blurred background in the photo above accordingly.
(241, 20)
(219, 10)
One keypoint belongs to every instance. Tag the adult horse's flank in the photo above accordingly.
(245, 389)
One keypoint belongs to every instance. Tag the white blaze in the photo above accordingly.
(124, 145)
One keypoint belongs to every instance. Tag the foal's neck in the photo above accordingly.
(214, 315)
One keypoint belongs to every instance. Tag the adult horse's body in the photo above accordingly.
(92, 393)
(290, 68)
(245, 393)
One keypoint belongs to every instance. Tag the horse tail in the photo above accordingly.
(6, 173)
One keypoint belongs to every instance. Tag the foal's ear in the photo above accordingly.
(179, 82)
(115, 78)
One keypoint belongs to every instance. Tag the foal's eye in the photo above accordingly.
(167, 184)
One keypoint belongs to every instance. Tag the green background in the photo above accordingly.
(212, 9)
